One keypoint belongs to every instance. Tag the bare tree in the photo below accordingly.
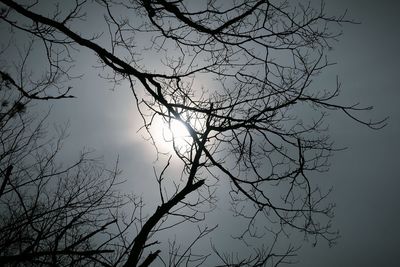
(54, 212)
(239, 76)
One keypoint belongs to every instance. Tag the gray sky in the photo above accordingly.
(364, 177)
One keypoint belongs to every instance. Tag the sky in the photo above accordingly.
(364, 177)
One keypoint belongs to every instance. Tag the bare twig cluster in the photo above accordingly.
(239, 76)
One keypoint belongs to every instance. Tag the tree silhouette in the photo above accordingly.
(53, 213)
(239, 77)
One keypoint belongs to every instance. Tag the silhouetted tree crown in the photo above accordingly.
(238, 75)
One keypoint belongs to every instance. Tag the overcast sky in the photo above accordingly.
(365, 177)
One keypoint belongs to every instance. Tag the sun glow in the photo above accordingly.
(167, 136)
(170, 135)
(179, 134)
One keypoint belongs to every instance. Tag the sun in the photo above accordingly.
(170, 135)
(179, 133)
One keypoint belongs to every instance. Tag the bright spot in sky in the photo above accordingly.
(179, 133)
(168, 135)
(179, 129)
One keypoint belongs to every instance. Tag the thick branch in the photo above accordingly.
(175, 10)
(152, 256)
(104, 54)
(162, 210)
(7, 175)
